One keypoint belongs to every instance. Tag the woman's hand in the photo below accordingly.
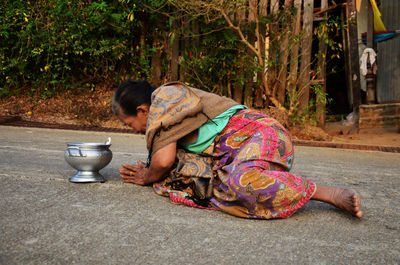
(161, 162)
(137, 174)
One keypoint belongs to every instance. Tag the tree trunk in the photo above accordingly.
(283, 58)
(272, 50)
(253, 10)
(156, 67)
(259, 93)
(248, 94)
(185, 43)
(248, 90)
(321, 96)
(294, 57)
(174, 59)
(354, 66)
(253, 17)
(172, 51)
(238, 93)
(346, 52)
(304, 84)
(263, 7)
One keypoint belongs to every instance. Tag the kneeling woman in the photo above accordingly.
(210, 152)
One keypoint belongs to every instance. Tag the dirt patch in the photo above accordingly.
(89, 108)
(377, 136)
(93, 108)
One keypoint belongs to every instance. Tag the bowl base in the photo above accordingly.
(87, 176)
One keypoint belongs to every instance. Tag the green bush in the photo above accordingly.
(48, 45)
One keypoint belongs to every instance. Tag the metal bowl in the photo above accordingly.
(88, 159)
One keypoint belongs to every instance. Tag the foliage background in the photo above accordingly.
(48, 47)
(53, 45)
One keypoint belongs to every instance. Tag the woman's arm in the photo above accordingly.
(161, 162)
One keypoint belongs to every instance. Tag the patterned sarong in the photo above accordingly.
(251, 158)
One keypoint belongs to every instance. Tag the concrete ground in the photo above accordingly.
(45, 219)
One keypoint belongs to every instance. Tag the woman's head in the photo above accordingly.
(130, 95)
(131, 103)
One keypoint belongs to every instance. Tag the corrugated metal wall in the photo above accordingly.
(388, 79)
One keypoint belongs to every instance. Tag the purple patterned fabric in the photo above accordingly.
(251, 159)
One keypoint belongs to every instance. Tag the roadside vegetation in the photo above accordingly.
(72, 54)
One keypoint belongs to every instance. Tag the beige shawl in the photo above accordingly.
(176, 110)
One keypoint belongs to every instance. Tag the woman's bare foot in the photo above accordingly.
(345, 199)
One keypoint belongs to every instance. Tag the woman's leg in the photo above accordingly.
(345, 199)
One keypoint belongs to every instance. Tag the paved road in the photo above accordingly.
(47, 220)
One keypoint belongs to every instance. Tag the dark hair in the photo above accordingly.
(130, 95)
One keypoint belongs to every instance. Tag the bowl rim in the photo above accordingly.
(84, 144)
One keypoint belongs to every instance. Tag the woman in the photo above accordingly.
(210, 152)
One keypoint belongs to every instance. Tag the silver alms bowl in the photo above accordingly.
(88, 159)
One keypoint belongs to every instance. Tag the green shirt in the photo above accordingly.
(209, 130)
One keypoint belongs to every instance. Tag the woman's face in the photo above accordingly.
(139, 122)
